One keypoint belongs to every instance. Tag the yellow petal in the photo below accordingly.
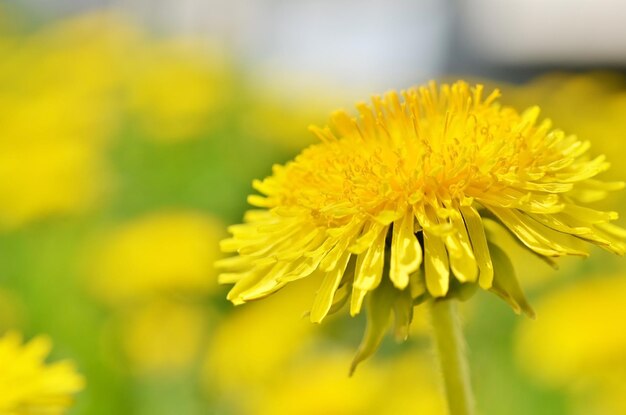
(345, 239)
(476, 232)
(245, 282)
(324, 298)
(406, 252)
(369, 270)
(268, 284)
(539, 238)
(367, 238)
(369, 265)
(463, 263)
(436, 264)
(356, 300)
(260, 201)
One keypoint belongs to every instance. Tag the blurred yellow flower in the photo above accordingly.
(277, 330)
(288, 370)
(578, 344)
(87, 54)
(163, 336)
(57, 111)
(28, 385)
(410, 380)
(402, 191)
(606, 397)
(318, 385)
(178, 88)
(159, 254)
(47, 178)
(580, 335)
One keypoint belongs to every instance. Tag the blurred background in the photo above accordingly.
(130, 132)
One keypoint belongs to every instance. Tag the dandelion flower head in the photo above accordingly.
(391, 205)
(30, 386)
(155, 255)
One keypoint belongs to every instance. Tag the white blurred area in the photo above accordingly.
(371, 45)
(356, 47)
(361, 46)
(546, 32)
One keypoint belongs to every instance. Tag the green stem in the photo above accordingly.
(450, 346)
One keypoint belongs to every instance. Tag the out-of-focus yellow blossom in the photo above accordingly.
(411, 381)
(580, 337)
(391, 204)
(148, 269)
(57, 111)
(86, 55)
(163, 336)
(578, 345)
(255, 342)
(269, 352)
(28, 385)
(47, 178)
(318, 385)
(63, 93)
(160, 254)
(313, 384)
(605, 397)
(178, 88)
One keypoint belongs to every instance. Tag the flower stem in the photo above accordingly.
(450, 346)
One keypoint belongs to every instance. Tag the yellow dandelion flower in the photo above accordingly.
(288, 372)
(58, 111)
(30, 386)
(159, 253)
(232, 365)
(162, 337)
(606, 398)
(177, 89)
(391, 206)
(577, 344)
(318, 385)
(581, 348)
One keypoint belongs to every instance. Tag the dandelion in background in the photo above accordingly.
(58, 114)
(391, 206)
(177, 89)
(30, 386)
(160, 254)
(582, 347)
(152, 271)
(294, 370)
